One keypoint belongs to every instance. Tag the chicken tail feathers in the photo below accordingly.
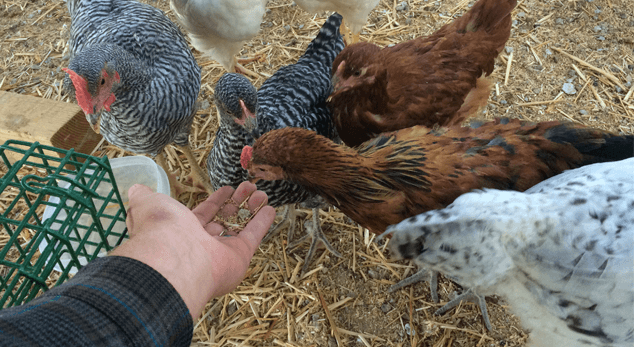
(595, 145)
(73, 5)
(488, 15)
(482, 32)
(328, 43)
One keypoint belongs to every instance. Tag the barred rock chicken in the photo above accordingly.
(430, 80)
(355, 13)
(560, 253)
(294, 96)
(219, 28)
(135, 78)
(401, 174)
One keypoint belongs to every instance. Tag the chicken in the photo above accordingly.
(219, 28)
(355, 13)
(401, 174)
(135, 78)
(430, 80)
(560, 253)
(410, 171)
(294, 96)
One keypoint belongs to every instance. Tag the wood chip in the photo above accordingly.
(333, 326)
(508, 68)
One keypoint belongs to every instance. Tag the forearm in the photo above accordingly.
(112, 301)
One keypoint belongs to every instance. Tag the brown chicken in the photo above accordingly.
(404, 173)
(407, 172)
(430, 80)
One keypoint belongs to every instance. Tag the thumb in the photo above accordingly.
(257, 228)
(136, 193)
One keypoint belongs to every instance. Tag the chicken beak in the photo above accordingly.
(94, 119)
(336, 77)
(252, 127)
(254, 179)
(249, 121)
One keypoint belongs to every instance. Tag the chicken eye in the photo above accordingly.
(103, 81)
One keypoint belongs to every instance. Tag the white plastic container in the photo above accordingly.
(127, 172)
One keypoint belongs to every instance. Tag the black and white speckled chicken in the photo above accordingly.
(295, 96)
(134, 76)
(560, 253)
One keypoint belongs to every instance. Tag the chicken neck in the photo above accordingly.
(354, 180)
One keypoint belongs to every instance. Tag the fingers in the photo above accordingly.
(258, 227)
(215, 205)
(245, 189)
(208, 209)
(257, 199)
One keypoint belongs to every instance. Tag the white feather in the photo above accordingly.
(219, 28)
(355, 12)
(562, 253)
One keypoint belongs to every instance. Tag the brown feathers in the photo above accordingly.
(410, 171)
(424, 81)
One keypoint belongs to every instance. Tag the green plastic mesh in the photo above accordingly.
(85, 210)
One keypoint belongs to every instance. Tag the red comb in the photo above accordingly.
(245, 157)
(81, 91)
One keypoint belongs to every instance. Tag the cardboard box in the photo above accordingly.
(53, 123)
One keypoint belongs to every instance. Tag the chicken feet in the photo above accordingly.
(198, 178)
(239, 68)
(317, 235)
(468, 296)
(418, 277)
(289, 216)
(348, 36)
(432, 277)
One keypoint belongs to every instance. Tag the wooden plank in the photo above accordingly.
(53, 123)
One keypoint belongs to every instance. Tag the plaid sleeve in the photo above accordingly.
(113, 301)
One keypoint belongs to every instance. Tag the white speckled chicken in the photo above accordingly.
(135, 78)
(561, 253)
(295, 96)
(355, 12)
(219, 28)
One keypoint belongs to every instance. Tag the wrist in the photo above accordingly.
(188, 272)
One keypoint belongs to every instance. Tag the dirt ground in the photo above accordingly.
(583, 46)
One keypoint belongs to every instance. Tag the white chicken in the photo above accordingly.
(561, 253)
(219, 28)
(355, 13)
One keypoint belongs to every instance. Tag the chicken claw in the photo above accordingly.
(468, 296)
(176, 187)
(200, 180)
(258, 57)
(289, 216)
(419, 277)
(317, 234)
(239, 68)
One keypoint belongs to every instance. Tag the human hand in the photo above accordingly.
(185, 247)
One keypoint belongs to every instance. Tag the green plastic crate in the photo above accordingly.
(78, 229)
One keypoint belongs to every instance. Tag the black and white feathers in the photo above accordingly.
(295, 96)
(561, 253)
(160, 79)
